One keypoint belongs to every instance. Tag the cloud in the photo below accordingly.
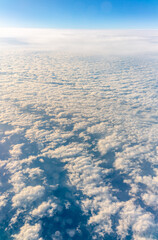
(143, 224)
(33, 172)
(45, 209)
(71, 232)
(115, 42)
(86, 176)
(85, 125)
(14, 131)
(27, 195)
(64, 151)
(110, 142)
(28, 232)
(17, 180)
(12, 41)
(97, 129)
(16, 150)
(80, 125)
(3, 201)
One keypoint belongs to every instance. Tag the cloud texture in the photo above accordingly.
(78, 136)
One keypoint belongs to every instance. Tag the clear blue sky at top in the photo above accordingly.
(79, 14)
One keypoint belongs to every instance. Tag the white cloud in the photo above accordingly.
(28, 232)
(27, 195)
(16, 150)
(80, 125)
(110, 142)
(97, 129)
(3, 201)
(33, 172)
(150, 199)
(14, 131)
(82, 41)
(64, 151)
(86, 176)
(46, 208)
(134, 217)
(17, 180)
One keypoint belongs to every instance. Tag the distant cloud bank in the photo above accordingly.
(106, 42)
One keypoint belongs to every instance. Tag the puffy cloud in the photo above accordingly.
(14, 131)
(18, 181)
(65, 151)
(28, 232)
(80, 125)
(150, 199)
(142, 223)
(46, 208)
(97, 129)
(3, 200)
(16, 150)
(33, 172)
(110, 142)
(27, 195)
(86, 176)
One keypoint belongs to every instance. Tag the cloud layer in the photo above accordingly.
(106, 42)
(78, 144)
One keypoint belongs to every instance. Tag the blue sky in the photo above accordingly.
(79, 14)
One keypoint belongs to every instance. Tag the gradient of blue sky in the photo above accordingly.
(79, 14)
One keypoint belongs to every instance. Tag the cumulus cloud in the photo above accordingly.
(65, 151)
(110, 142)
(28, 232)
(97, 129)
(3, 200)
(85, 175)
(134, 217)
(45, 209)
(16, 150)
(14, 131)
(85, 125)
(33, 172)
(27, 195)
(17, 180)
(150, 199)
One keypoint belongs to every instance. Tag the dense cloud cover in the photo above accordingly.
(109, 42)
(78, 146)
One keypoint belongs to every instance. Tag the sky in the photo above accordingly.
(82, 14)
